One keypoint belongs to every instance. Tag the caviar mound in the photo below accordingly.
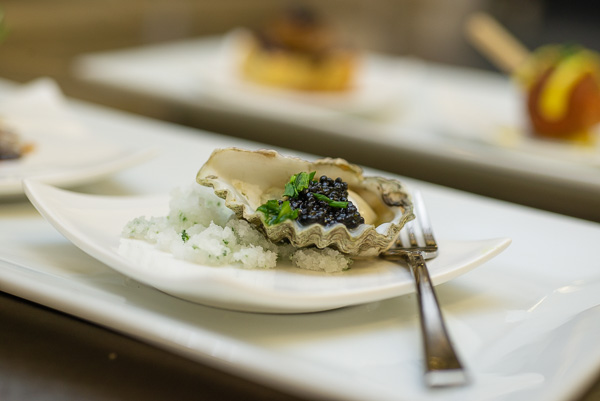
(246, 180)
(318, 211)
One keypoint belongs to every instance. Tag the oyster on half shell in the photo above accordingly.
(247, 179)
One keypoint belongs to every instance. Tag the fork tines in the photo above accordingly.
(423, 220)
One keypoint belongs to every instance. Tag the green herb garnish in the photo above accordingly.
(330, 202)
(569, 49)
(275, 213)
(185, 236)
(3, 27)
(297, 183)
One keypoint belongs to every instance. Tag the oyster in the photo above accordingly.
(247, 179)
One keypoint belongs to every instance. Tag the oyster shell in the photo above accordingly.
(247, 179)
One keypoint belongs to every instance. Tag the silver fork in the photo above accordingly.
(443, 368)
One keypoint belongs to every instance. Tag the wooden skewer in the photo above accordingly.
(495, 42)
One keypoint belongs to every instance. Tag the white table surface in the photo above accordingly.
(434, 104)
(543, 289)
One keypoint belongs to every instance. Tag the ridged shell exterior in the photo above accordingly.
(246, 179)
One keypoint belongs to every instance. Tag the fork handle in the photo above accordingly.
(443, 367)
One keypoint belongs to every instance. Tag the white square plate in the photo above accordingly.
(64, 151)
(94, 223)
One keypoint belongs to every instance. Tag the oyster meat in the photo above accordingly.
(247, 179)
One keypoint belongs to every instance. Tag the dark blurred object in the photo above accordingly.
(572, 21)
(296, 28)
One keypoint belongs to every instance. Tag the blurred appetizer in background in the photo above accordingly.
(299, 50)
(11, 145)
(561, 83)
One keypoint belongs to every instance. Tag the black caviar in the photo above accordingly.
(334, 209)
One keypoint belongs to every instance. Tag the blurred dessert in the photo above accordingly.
(561, 83)
(298, 50)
